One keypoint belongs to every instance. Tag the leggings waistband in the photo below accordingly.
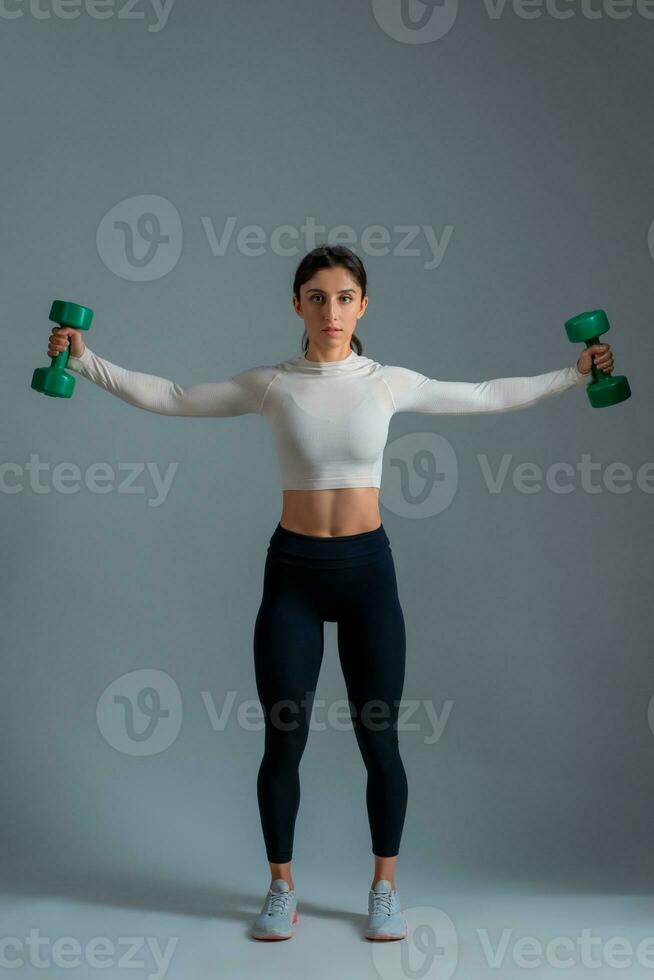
(342, 550)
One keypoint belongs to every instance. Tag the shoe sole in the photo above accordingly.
(295, 918)
(385, 938)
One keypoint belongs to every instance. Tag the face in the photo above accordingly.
(330, 301)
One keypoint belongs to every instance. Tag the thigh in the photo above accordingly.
(371, 636)
(288, 639)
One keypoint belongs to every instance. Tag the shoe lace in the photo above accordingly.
(277, 901)
(382, 902)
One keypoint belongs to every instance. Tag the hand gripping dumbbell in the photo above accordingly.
(54, 380)
(605, 389)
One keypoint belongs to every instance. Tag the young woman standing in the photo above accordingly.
(329, 558)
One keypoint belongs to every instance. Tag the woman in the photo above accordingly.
(329, 558)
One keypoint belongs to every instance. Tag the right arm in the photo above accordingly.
(242, 393)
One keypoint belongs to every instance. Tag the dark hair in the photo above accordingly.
(329, 257)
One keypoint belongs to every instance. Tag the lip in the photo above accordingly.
(331, 330)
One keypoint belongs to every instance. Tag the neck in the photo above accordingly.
(340, 355)
(343, 365)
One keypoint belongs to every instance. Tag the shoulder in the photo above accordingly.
(400, 380)
(254, 383)
(255, 376)
(395, 374)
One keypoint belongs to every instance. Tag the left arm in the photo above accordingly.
(413, 392)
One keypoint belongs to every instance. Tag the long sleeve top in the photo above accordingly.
(329, 419)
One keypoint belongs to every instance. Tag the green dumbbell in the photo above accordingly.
(605, 389)
(54, 380)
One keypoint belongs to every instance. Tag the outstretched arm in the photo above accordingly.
(413, 392)
(241, 394)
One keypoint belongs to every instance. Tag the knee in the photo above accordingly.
(285, 744)
(380, 749)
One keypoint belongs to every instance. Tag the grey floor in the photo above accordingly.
(158, 928)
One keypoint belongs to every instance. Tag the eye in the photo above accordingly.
(318, 296)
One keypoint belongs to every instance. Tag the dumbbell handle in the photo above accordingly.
(60, 360)
(597, 374)
(65, 314)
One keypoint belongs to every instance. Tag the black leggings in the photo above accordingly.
(349, 580)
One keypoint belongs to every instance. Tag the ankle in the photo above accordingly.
(289, 881)
(281, 870)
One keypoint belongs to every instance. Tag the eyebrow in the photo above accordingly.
(322, 290)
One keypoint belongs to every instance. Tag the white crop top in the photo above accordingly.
(329, 419)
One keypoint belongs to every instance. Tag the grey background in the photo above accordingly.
(530, 612)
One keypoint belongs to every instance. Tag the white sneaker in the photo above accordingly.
(384, 919)
(279, 913)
